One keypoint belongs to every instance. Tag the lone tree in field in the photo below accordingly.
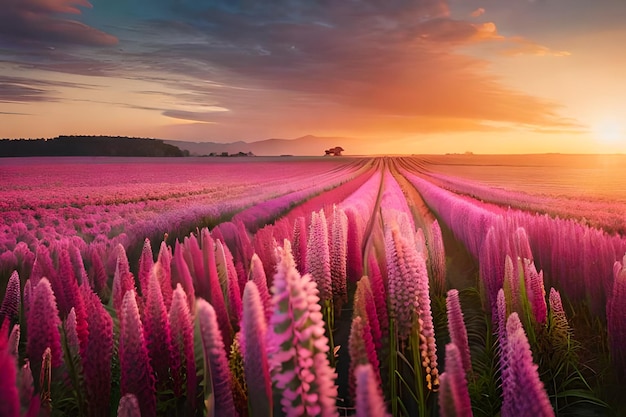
(336, 151)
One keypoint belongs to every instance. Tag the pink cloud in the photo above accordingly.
(478, 12)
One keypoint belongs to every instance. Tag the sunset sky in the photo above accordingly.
(421, 76)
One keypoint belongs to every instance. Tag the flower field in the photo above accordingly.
(408, 286)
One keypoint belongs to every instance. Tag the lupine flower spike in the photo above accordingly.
(454, 399)
(369, 399)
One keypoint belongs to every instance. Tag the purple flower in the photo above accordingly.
(520, 379)
(229, 283)
(369, 399)
(437, 256)
(136, 375)
(10, 309)
(458, 332)
(380, 294)
(254, 328)
(217, 373)
(454, 400)
(535, 291)
(181, 275)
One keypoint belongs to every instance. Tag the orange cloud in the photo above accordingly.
(478, 12)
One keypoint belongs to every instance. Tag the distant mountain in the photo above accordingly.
(88, 146)
(304, 146)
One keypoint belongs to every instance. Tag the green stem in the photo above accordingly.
(419, 374)
(329, 318)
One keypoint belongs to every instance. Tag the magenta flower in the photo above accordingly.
(257, 275)
(183, 367)
(354, 254)
(96, 358)
(157, 331)
(72, 297)
(71, 336)
(318, 256)
(97, 274)
(256, 367)
(128, 406)
(559, 319)
(369, 398)
(136, 375)
(43, 266)
(123, 280)
(146, 262)
(182, 276)
(229, 283)
(301, 373)
(299, 244)
(380, 294)
(458, 332)
(362, 350)
(164, 259)
(454, 400)
(43, 327)
(216, 296)
(338, 252)
(9, 396)
(10, 309)
(215, 363)
(520, 380)
(14, 340)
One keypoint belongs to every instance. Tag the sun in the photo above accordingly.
(609, 131)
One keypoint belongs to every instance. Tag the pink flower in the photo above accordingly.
(216, 296)
(123, 280)
(256, 367)
(257, 275)
(318, 256)
(535, 291)
(181, 275)
(456, 326)
(157, 331)
(337, 252)
(380, 294)
(369, 399)
(146, 262)
(301, 372)
(454, 400)
(97, 274)
(362, 350)
(136, 375)
(215, 362)
(43, 327)
(299, 243)
(128, 407)
(616, 320)
(229, 283)
(183, 367)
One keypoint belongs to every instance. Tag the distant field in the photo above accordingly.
(575, 176)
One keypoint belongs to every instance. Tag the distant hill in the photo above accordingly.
(88, 146)
(304, 146)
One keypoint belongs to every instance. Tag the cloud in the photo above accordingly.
(20, 89)
(522, 46)
(478, 12)
(39, 21)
